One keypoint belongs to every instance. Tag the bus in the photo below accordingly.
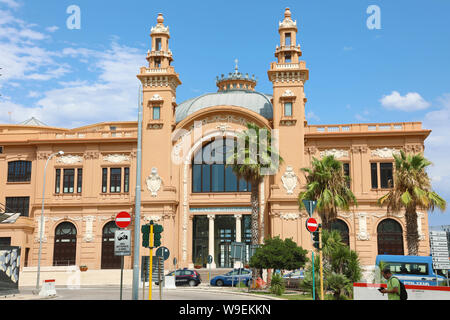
(413, 270)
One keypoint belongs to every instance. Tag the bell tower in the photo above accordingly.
(159, 82)
(288, 76)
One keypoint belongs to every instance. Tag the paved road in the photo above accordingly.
(113, 293)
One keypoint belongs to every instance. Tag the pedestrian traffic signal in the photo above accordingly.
(145, 229)
(157, 230)
(316, 239)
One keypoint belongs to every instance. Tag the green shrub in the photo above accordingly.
(277, 285)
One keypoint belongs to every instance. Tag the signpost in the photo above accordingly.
(439, 251)
(122, 241)
(210, 261)
(312, 225)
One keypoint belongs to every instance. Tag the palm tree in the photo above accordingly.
(411, 190)
(243, 164)
(329, 186)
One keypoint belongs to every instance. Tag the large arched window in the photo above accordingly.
(390, 237)
(209, 171)
(65, 249)
(342, 228)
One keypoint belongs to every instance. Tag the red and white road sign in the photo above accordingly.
(312, 225)
(123, 219)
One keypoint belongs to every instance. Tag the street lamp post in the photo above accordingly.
(42, 221)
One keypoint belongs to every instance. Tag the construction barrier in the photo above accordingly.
(369, 291)
(48, 289)
(169, 282)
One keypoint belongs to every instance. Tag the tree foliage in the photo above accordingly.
(329, 186)
(279, 254)
(411, 190)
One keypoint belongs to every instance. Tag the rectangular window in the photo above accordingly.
(206, 179)
(158, 44)
(1, 150)
(104, 180)
(69, 180)
(197, 178)
(18, 204)
(374, 175)
(79, 180)
(287, 41)
(58, 181)
(288, 109)
(126, 180)
(156, 113)
(5, 241)
(346, 167)
(217, 178)
(19, 171)
(115, 180)
(230, 180)
(386, 179)
(287, 58)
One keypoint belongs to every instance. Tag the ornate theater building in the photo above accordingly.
(186, 186)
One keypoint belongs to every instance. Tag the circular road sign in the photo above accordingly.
(123, 219)
(210, 259)
(312, 225)
(163, 252)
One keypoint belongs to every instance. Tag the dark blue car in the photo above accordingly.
(233, 277)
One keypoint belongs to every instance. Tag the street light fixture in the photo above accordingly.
(59, 153)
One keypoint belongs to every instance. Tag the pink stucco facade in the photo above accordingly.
(169, 143)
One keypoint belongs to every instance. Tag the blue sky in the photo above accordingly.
(70, 78)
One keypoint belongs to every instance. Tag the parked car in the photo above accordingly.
(293, 278)
(232, 278)
(185, 277)
(412, 270)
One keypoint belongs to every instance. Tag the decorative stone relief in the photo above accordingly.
(69, 159)
(223, 127)
(290, 216)
(413, 148)
(334, 152)
(385, 153)
(154, 218)
(88, 234)
(288, 93)
(116, 158)
(348, 215)
(154, 182)
(363, 233)
(310, 150)
(156, 97)
(91, 155)
(289, 180)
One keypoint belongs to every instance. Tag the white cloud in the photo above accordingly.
(437, 146)
(11, 3)
(312, 116)
(412, 101)
(52, 29)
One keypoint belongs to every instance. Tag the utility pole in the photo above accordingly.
(321, 261)
(137, 205)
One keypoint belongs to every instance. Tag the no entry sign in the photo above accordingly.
(123, 219)
(312, 225)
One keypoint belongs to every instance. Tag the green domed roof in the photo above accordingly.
(251, 100)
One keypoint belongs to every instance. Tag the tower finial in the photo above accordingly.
(160, 18)
(236, 67)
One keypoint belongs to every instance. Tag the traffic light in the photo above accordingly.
(145, 229)
(316, 239)
(157, 230)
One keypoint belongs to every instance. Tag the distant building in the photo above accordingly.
(201, 204)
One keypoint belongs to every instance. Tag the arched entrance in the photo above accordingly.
(342, 228)
(65, 249)
(109, 260)
(390, 237)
